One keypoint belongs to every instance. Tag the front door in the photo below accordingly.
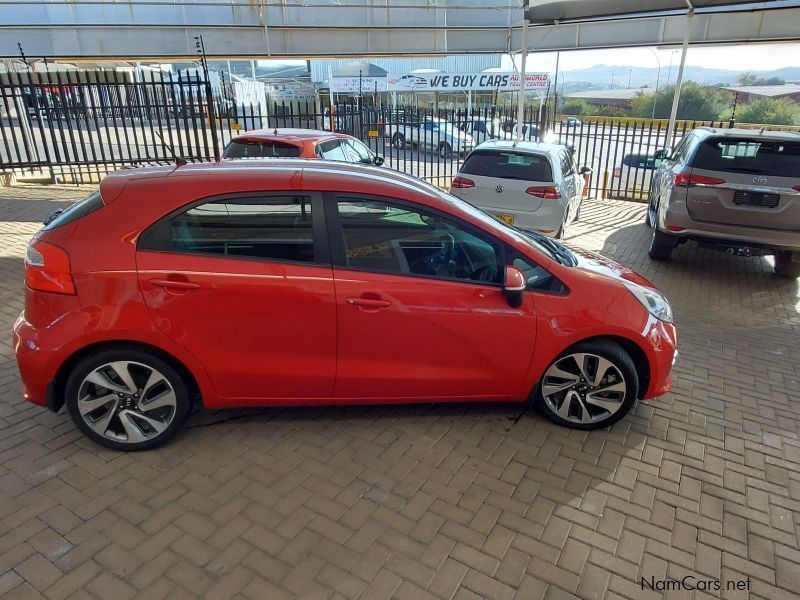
(421, 310)
(246, 286)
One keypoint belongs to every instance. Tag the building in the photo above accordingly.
(747, 93)
(621, 98)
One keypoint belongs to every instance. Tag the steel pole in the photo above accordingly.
(521, 99)
(679, 81)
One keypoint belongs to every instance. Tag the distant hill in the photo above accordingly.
(599, 77)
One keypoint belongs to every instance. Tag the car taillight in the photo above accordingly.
(617, 172)
(688, 180)
(47, 269)
(796, 188)
(548, 192)
(460, 183)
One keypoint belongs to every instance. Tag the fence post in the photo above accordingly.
(212, 117)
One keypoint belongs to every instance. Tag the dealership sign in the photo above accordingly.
(504, 81)
(462, 82)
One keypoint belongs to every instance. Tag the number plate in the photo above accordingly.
(505, 218)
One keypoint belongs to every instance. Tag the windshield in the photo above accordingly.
(537, 241)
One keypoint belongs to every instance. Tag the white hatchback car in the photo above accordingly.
(531, 185)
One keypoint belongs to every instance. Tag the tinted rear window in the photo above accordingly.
(508, 165)
(256, 149)
(76, 211)
(762, 157)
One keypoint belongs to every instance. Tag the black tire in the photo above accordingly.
(578, 211)
(93, 361)
(445, 150)
(661, 245)
(562, 231)
(399, 141)
(616, 355)
(787, 264)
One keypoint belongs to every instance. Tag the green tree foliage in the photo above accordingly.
(769, 111)
(750, 79)
(576, 106)
(698, 102)
(610, 111)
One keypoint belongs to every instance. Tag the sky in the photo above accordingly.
(745, 57)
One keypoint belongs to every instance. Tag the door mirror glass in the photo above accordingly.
(660, 154)
(378, 161)
(586, 170)
(513, 285)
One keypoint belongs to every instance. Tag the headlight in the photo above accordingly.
(655, 302)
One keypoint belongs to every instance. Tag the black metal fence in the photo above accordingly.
(77, 126)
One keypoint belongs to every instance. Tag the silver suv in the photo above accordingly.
(733, 189)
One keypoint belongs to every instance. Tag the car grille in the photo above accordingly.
(756, 199)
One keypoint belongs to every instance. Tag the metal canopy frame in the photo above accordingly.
(554, 12)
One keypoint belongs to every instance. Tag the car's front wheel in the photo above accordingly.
(787, 264)
(445, 150)
(127, 399)
(399, 141)
(591, 386)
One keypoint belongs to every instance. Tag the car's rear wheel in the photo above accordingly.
(399, 141)
(591, 386)
(661, 245)
(787, 264)
(127, 399)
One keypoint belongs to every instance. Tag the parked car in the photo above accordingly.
(730, 189)
(632, 177)
(531, 185)
(571, 122)
(431, 133)
(300, 143)
(482, 130)
(241, 284)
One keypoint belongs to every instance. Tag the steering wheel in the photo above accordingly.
(448, 250)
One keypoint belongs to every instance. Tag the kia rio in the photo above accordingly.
(300, 282)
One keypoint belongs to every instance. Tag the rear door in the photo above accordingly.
(747, 181)
(501, 178)
(245, 284)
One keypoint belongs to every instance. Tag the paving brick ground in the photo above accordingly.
(438, 501)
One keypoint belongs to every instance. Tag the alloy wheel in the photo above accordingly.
(126, 401)
(584, 388)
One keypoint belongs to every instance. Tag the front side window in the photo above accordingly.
(508, 165)
(393, 238)
(537, 278)
(332, 150)
(274, 228)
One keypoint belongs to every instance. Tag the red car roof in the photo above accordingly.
(293, 136)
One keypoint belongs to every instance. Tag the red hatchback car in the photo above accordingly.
(300, 143)
(289, 282)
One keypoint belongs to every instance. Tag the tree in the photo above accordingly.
(698, 103)
(769, 111)
(575, 106)
(751, 79)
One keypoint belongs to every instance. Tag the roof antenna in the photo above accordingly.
(275, 131)
(179, 162)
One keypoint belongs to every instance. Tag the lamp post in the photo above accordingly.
(658, 79)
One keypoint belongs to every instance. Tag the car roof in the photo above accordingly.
(755, 134)
(274, 173)
(523, 146)
(286, 134)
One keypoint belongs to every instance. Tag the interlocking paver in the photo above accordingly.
(431, 501)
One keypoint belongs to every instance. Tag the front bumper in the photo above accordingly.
(662, 355)
(677, 216)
